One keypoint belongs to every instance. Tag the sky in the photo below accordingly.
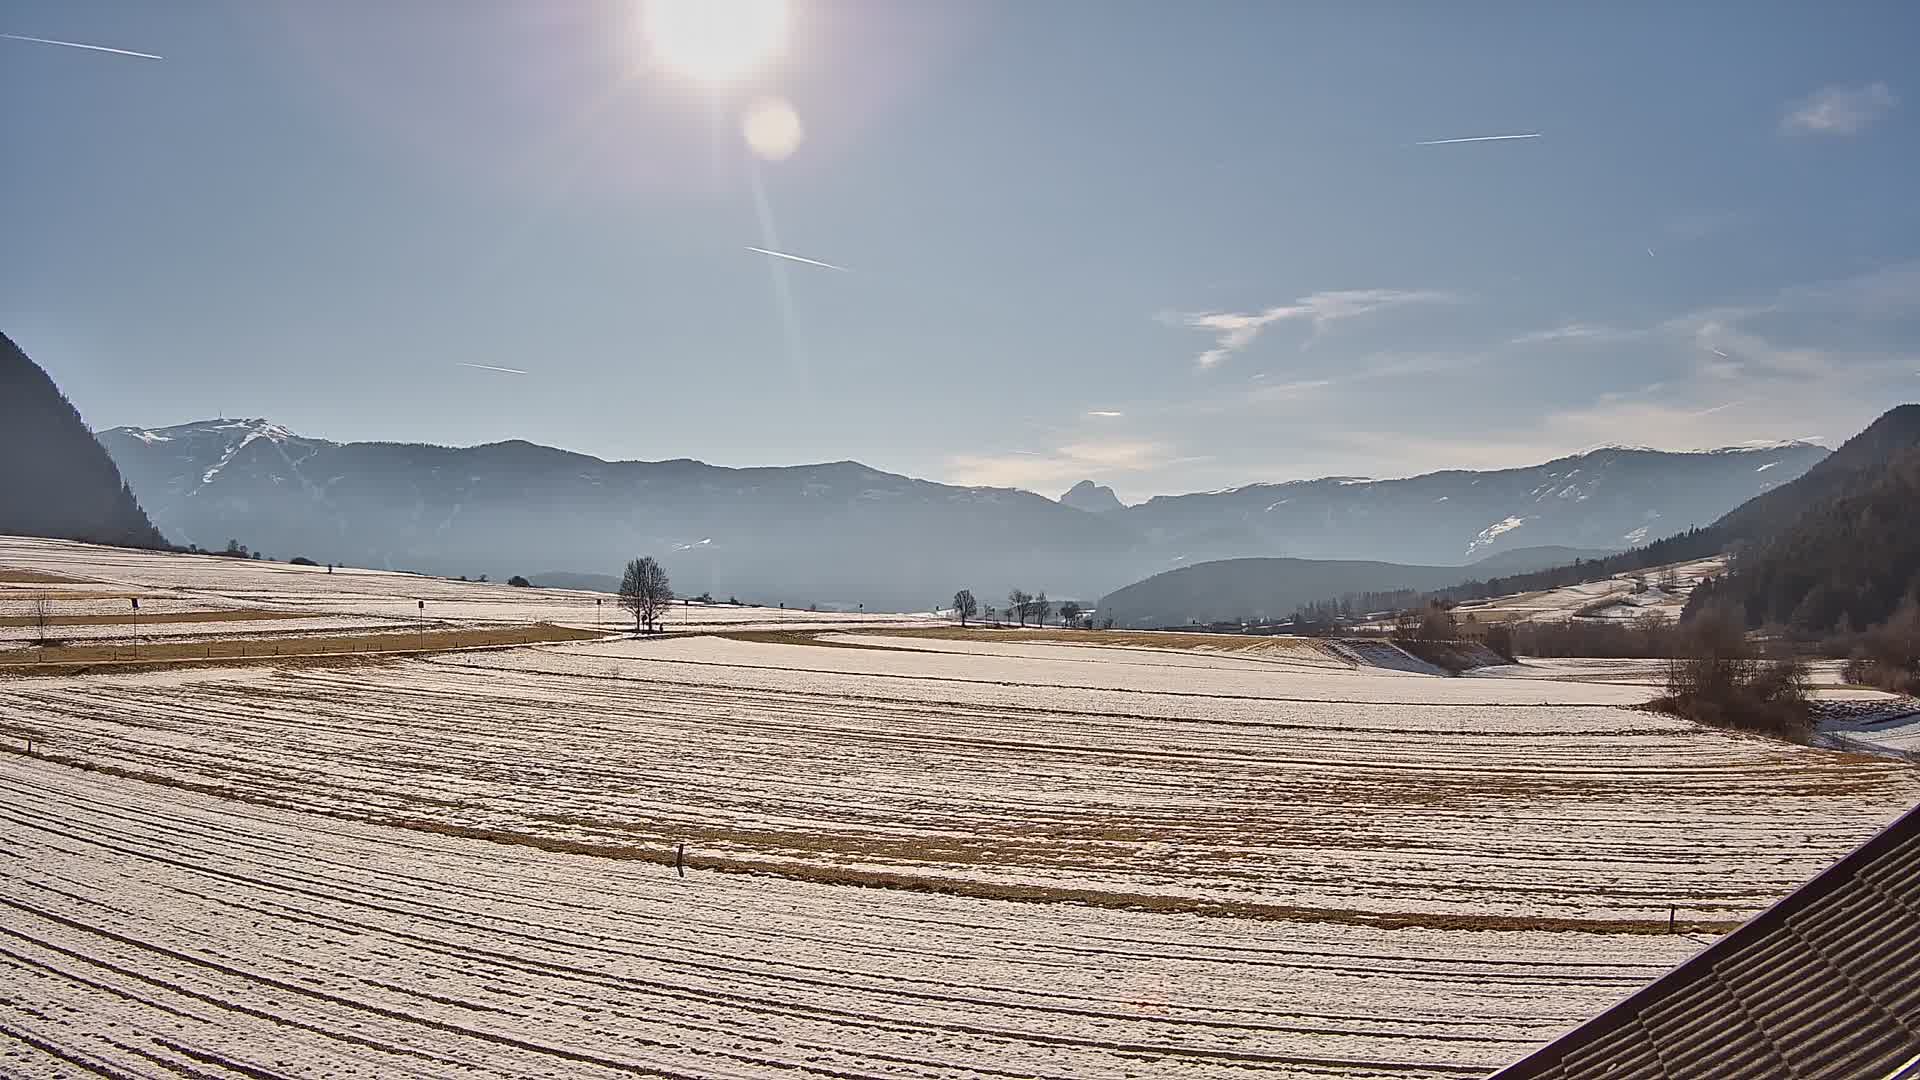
(1166, 247)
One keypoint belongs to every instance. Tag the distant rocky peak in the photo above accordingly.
(1091, 497)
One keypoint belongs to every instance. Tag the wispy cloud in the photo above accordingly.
(1234, 331)
(1480, 138)
(797, 258)
(1838, 110)
(80, 45)
(1106, 414)
(490, 367)
(1575, 332)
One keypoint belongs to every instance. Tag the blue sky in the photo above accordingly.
(1167, 247)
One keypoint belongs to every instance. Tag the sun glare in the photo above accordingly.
(715, 41)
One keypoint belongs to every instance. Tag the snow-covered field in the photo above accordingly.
(154, 932)
(1666, 591)
(345, 598)
(908, 856)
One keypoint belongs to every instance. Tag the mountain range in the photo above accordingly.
(1831, 548)
(842, 533)
(55, 480)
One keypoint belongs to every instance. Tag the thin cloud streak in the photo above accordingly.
(81, 45)
(1107, 414)
(1481, 138)
(490, 367)
(797, 258)
(1234, 330)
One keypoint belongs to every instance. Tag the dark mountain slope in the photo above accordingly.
(1857, 466)
(55, 479)
(1845, 565)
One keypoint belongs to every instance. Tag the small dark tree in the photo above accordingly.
(519, 582)
(1070, 613)
(301, 560)
(42, 618)
(1019, 602)
(1040, 607)
(645, 591)
(965, 606)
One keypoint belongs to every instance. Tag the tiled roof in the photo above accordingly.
(1826, 983)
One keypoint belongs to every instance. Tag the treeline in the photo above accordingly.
(1849, 565)
(1349, 607)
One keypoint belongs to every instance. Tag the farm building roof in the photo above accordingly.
(1826, 983)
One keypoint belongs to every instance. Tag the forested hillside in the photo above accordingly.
(1845, 566)
(55, 479)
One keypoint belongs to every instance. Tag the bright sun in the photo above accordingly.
(715, 41)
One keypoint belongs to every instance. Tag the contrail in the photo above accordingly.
(78, 45)
(1479, 138)
(798, 259)
(490, 367)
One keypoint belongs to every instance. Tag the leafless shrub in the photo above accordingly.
(1717, 677)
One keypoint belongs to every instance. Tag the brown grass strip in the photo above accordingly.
(81, 659)
(35, 577)
(1048, 894)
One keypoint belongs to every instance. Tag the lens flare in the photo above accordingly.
(772, 129)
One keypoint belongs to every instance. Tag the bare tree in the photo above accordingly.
(965, 606)
(1069, 613)
(1040, 607)
(1019, 602)
(645, 591)
(42, 618)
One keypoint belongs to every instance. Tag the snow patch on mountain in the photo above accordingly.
(1494, 532)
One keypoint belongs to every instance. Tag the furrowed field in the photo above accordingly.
(909, 851)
